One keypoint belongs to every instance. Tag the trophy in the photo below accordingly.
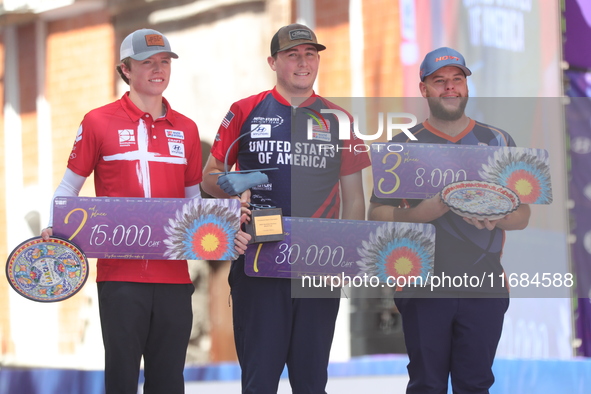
(266, 224)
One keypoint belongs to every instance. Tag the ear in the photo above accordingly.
(124, 69)
(271, 62)
(423, 88)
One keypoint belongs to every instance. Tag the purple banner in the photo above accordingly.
(578, 113)
(419, 171)
(345, 247)
(149, 228)
(578, 32)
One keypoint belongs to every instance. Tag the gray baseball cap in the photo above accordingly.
(143, 43)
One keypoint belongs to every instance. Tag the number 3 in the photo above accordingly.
(391, 171)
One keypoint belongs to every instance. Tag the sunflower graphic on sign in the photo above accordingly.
(203, 230)
(397, 250)
(523, 170)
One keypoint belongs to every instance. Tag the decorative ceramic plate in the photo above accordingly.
(479, 199)
(47, 271)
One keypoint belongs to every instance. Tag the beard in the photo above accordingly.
(439, 111)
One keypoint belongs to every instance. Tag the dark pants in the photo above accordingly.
(149, 320)
(272, 329)
(455, 337)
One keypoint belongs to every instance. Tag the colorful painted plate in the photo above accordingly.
(479, 199)
(47, 271)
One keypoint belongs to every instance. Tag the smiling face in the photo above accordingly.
(447, 93)
(296, 70)
(149, 77)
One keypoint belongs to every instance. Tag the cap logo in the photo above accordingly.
(300, 34)
(154, 40)
(447, 58)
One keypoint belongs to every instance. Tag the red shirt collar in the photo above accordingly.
(135, 113)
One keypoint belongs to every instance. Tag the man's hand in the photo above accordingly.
(245, 212)
(482, 224)
(46, 233)
(241, 241)
(236, 183)
(434, 207)
(242, 238)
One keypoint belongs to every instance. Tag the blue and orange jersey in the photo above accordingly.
(461, 249)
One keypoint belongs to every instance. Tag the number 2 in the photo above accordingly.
(82, 223)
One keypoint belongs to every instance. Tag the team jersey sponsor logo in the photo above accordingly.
(318, 122)
(177, 134)
(126, 137)
(78, 138)
(260, 130)
(176, 149)
(320, 126)
(274, 121)
(78, 134)
(323, 126)
(263, 187)
(320, 136)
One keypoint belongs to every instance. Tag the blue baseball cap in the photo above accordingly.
(442, 57)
